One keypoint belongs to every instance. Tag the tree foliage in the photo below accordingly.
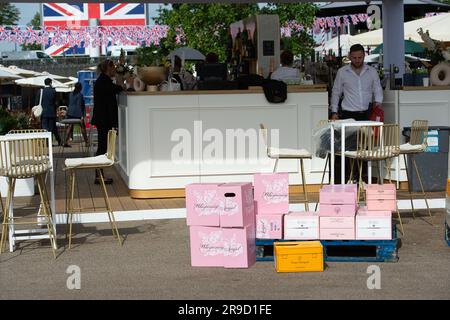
(9, 14)
(300, 41)
(205, 25)
(36, 23)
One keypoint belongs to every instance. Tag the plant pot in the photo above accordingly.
(152, 76)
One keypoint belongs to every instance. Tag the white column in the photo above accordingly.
(393, 35)
(94, 52)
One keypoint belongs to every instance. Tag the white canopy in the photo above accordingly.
(5, 75)
(187, 54)
(332, 44)
(438, 26)
(39, 82)
(23, 73)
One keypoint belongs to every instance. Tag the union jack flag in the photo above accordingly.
(73, 15)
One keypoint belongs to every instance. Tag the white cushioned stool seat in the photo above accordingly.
(407, 147)
(288, 153)
(101, 160)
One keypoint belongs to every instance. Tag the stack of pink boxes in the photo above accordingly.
(337, 212)
(222, 224)
(271, 194)
(374, 222)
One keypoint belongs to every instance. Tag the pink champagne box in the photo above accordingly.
(301, 226)
(381, 191)
(338, 194)
(337, 223)
(271, 191)
(373, 225)
(238, 205)
(337, 210)
(240, 247)
(337, 234)
(204, 203)
(223, 247)
(381, 204)
(269, 226)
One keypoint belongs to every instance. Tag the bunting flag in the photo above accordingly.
(60, 36)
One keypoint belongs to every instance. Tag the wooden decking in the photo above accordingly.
(89, 196)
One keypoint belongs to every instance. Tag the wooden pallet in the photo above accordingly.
(342, 250)
(447, 233)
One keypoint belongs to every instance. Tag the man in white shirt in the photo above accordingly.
(360, 85)
(286, 72)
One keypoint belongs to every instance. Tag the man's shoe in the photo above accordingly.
(66, 145)
(107, 180)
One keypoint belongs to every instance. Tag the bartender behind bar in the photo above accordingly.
(360, 85)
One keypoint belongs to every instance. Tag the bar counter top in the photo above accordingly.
(415, 88)
(251, 90)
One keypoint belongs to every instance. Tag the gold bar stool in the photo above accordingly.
(285, 153)
(23, 158)
(375, 143)
(417, 144)
(98, 163)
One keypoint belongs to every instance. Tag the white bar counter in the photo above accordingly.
(153, 127)
(416, 103)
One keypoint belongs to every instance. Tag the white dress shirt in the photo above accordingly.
(285, 73)
(358, 90)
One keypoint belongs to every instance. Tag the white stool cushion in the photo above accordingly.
(101, 160)
(407, 147)
(288, 153)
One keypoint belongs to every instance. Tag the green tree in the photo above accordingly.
(300, 41)
(36, 23)
(9, 14)
(206, 26)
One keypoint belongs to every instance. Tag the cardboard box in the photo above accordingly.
(223, 247)
(337, 210)
(269, 226)
(238, 205)
(383, 191)
(337, 222)
(207, 246)
(240, 247)
(338, 194)
(301, 226)
(271, 192)
(298, 256)
(381, 205)
(373, 225)
(203, 204)
(337, 234)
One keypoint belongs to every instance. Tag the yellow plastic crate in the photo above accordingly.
(298, 256)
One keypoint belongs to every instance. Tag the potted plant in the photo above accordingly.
(151, 64)
(123, 69)
(419, 75)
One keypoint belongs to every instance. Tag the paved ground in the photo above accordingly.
(154, 263)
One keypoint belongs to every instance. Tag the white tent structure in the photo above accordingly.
(332, 44)
(22, 73)
(38, 82)
(438, 26)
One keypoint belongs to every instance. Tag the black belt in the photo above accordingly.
(360, 112)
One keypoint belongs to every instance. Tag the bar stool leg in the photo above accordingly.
(421, 186)
(409, 186)
(41, 187)
(305, 192)
(112, 220)
(323, 176)
(71, 207)
(400, 220)
(276, 165)
(352, 165)
(5, 229)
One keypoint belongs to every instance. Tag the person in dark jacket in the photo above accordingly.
(48, 116)
(105, 115)
(77, 110)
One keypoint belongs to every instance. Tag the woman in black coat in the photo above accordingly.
(105, 114)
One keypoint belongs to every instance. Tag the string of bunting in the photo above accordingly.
(82, 36)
